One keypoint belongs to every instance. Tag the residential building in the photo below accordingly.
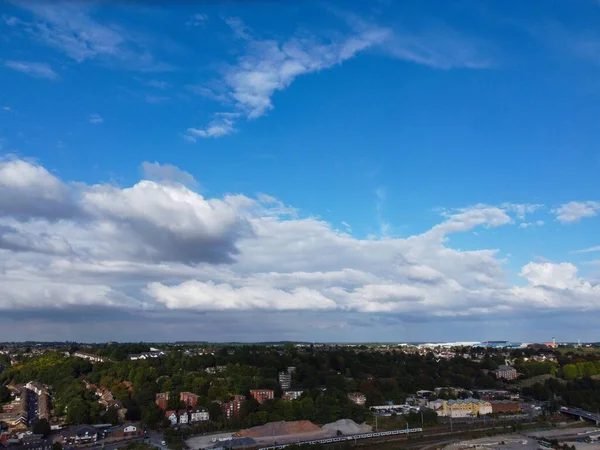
(291, 395)
(469, 407)
(232, 408)
(128, 430)
(30, 442)
(216, 369)
(505, 406)
(184, 417)
(36, 387)
(146, 355)
(262, 395)
(90, 357)
(505, 372)
(190, 399)
(285, 380)
(162, 400)
(172, 416)
(357, 397)
(199, 415)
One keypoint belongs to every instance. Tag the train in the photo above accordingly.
(351, 437)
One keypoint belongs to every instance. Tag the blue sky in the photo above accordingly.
(422, 170)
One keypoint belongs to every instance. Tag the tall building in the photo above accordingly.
(190, 399)
(262, 395)
(232, 407)
(285, 380)
(162, 400)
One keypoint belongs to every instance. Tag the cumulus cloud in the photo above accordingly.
(575, 211)
(167, 172)
(160, 247)
(29, 190)
(35, 69)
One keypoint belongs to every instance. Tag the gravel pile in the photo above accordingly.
(279, 429)
(348, 426)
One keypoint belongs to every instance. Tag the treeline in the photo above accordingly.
(582, 393)
(325, 376)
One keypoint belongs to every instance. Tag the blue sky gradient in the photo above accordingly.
(422, 170)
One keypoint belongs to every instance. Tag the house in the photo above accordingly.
(162, 400)
(90, 357)
(82, 434)
(291, 395)
(146, 355)
(216, 369)
(190, 400)
(262, 395)
(184, 418)
(128, 430)
(505, 372)
(358, 398)
(31, 442)
(199, 415)
(172, 416)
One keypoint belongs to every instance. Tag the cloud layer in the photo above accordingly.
(158, 246)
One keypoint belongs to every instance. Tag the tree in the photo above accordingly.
(4, 394)
(570, 371)
(152, 416)
(57, 446)
(42, 427)
(78, 412)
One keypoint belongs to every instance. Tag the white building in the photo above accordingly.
(183, 418)
(172, 416)
(199, 415)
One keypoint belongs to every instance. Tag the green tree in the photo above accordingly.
(42, 427)
(78, 412)
(570, 372)
(152, 416)
(57, 446)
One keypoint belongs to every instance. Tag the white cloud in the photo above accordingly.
(70, 28)
(28, 189)
(588, 250)
(211, 296)
(96, 119)
(575, 211)
(157, 84)
(221, 125)
(439, 48)
(167, 172)
(160, 246)
(268, 66)
(537, 223)
(197, 20)
(35, 69)
(239, 28)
